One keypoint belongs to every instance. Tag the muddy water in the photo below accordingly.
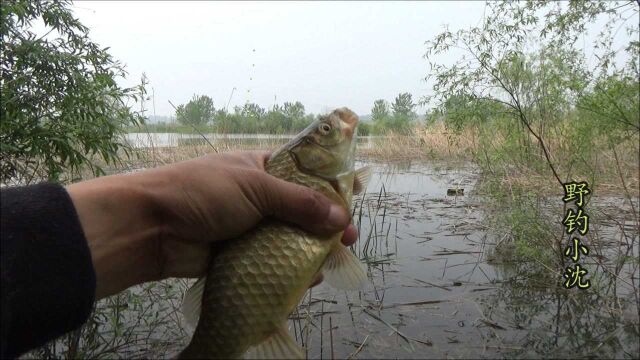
(423, 251)
(425, 263)
(432, 293)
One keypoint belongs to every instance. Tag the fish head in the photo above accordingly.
(326, 149)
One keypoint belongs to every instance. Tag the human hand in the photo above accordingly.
(222, 196)
(160, 222)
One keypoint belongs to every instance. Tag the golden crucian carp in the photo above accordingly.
(253, 283)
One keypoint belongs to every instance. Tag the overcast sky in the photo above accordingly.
(324, 54)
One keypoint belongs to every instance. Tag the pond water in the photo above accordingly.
(424, 257)
(423, 253)
(432, 291)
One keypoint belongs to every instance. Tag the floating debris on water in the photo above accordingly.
(455, 192)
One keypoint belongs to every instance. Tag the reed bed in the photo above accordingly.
(604, 167)
(421, 143)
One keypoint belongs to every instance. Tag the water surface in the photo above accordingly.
(434, 289)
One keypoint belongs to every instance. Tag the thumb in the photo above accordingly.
(300, 205)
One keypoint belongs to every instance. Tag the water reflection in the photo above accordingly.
(553, 322)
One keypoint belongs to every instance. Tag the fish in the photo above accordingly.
(254, 282)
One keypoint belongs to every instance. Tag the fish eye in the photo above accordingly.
(324, 128)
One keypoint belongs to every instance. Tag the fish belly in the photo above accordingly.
(252, 286)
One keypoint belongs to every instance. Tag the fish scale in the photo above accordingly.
(254, 282)
(252, 279)
(252, 285)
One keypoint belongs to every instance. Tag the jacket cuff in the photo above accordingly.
(48, 279)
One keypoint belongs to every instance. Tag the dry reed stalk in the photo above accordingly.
(331, 337)
(438, 142)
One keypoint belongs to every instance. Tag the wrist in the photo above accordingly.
(120, 221)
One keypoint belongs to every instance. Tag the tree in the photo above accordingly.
(62, 109)
(303, 122)
(380, 111)
(403, 106)
(276, 121)
(197, 112)
(251, 110)
(226, 122)
(252, 117)
(536, 88)
(293, 111)
(364, 129)
(616, 100)
(432, 116)
(403, 114)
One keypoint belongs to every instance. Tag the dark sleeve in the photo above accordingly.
(48, 280)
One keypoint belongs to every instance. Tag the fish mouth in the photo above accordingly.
(348, 121)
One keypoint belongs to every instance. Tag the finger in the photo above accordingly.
(251, 159)
(300, 205)
(350, 235)
(258, 157)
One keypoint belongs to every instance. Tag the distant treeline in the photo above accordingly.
(288, 118)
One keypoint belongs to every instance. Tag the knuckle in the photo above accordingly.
(268, 199)
(310, 201)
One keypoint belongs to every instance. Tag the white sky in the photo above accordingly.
(324, 54)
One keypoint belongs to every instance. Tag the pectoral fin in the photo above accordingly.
(361, 179)
(343, 270)
(192, 302)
